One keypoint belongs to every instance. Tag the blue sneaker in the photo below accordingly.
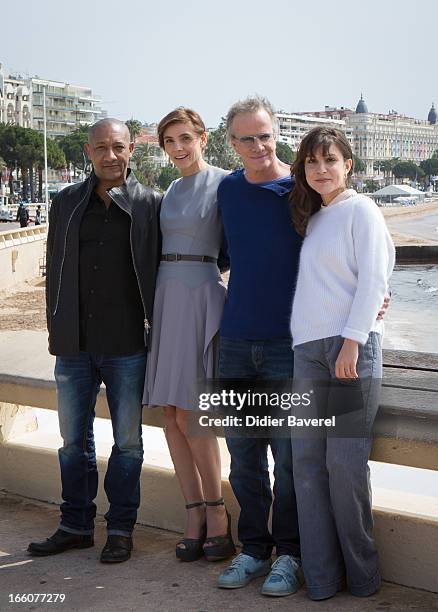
(285, 578)
(242, 570)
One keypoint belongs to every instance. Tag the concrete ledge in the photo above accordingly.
(21, 255)
(407, 545)
(15, 237)
(406, 428)
(417, 254)
(407, 542)
(403, 435)
(33, 472)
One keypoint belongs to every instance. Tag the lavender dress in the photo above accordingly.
(190, 295)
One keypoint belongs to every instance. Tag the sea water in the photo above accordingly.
(411, 322)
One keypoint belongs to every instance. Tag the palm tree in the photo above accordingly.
(134, 127)
(146, 169)
(386, 166)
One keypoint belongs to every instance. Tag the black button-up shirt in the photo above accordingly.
(110, 307)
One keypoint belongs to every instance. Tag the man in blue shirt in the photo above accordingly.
(255, 341)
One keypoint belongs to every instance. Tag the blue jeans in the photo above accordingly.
(249, 475)
(332, 475)
(78, 379)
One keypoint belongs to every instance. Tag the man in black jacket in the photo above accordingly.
(103, 247)
(22, 215)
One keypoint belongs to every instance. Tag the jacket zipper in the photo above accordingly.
(65, 246)
(147, 325)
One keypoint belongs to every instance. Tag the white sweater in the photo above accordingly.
(345, 264)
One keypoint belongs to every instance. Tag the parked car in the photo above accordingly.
(6, 214)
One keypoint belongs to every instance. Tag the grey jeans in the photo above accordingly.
(331, 473)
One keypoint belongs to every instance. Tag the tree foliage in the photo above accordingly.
(358, 164)
(134, 127)
(23, 149)
(371, 186)
(146, 168)
(73, 146)
(167, 174)
(386, 165)
(218, 152)
(3, 166)
(285, 153)
(430, 166)
(407, 169)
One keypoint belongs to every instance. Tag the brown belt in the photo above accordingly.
(179, 257)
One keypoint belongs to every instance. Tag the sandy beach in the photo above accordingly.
(412, 225)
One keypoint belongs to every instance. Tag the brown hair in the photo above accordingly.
(180, 115)
(303, 200)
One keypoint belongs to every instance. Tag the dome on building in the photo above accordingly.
(361, 106)
(432, 116)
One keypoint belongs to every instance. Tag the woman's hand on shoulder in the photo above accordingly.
(345, 366)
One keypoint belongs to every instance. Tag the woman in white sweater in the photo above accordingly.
(346, 261)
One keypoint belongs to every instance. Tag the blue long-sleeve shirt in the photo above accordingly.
(264, 250)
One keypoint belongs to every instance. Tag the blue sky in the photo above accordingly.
(144, 58)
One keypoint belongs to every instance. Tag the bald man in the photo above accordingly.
(102, 255)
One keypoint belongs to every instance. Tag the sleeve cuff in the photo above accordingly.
(355, 334)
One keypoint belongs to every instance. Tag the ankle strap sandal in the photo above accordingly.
(218, 548)
(193, 547)
(195, 505)
(218, 502)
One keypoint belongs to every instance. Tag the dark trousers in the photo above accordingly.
(78, 380)
(249, 476)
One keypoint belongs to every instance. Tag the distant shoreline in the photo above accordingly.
(392, 214)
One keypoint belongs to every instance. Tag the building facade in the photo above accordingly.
(68, 107)
(294, 126)
(374, 137)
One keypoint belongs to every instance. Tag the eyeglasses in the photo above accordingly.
(249, 141)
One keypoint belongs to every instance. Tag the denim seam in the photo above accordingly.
(87, 421)
(84, 439)
(373, 367)
(261, 478)
(85, 430)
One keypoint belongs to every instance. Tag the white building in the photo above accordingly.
(293, 127)
(15, 101)
(378, 136)
(373, 136)
(67, 106)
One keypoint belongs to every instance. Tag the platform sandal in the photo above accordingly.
(222, 546)
(193, 547)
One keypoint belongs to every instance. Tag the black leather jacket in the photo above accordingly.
(62, 277)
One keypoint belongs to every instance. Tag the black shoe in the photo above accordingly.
(190, 549)
(220, 547)
(117, 549)
(59, 542)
